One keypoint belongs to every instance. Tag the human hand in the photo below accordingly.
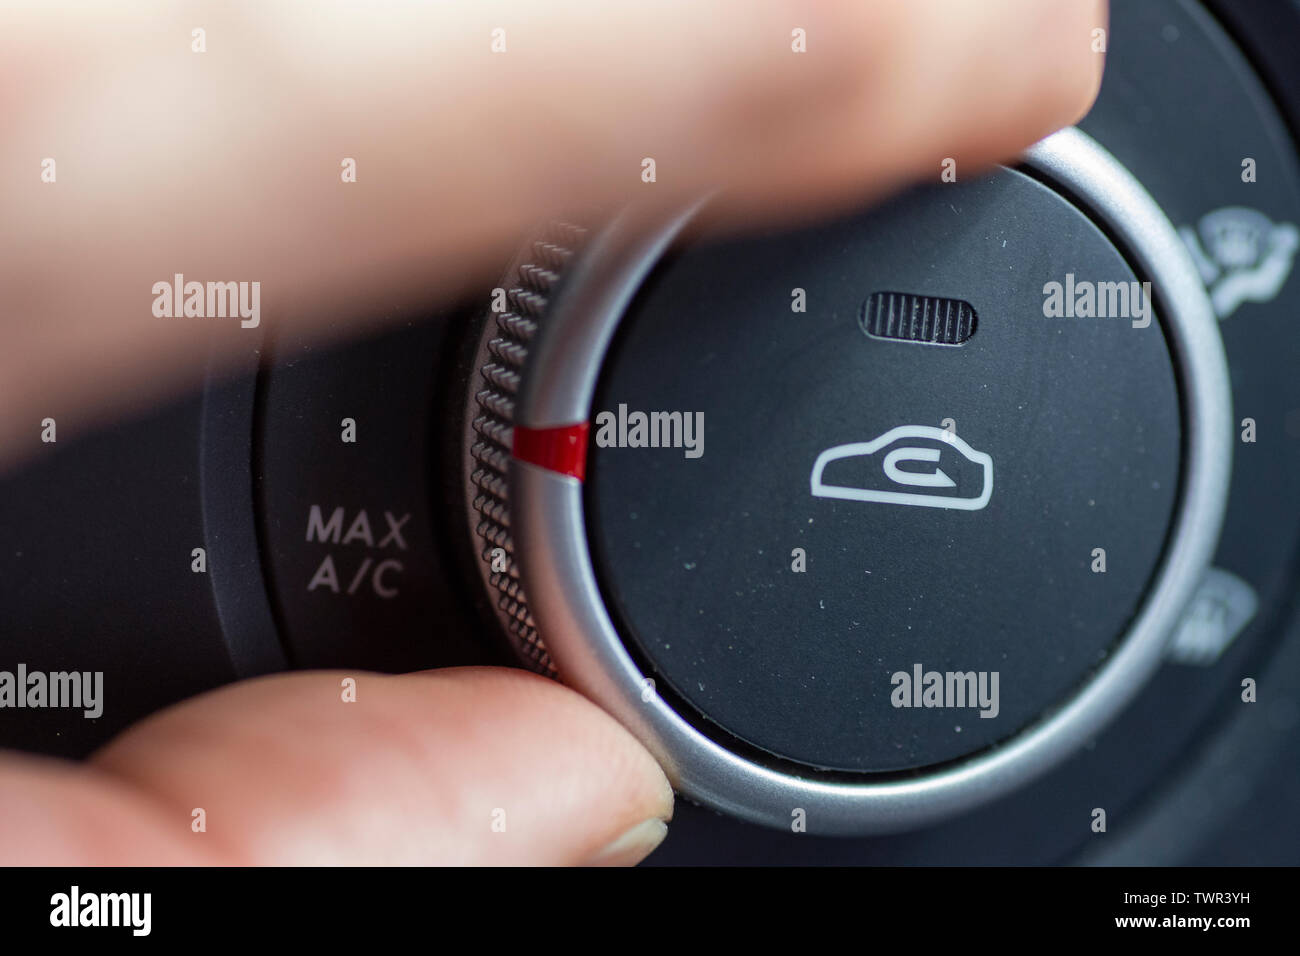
(226, 164)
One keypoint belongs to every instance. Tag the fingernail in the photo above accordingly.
(633, 846)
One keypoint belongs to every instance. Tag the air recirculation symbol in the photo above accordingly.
(926, 319)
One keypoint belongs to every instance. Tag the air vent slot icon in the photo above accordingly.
(927, 319)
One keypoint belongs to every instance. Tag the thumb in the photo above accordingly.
(466, 766)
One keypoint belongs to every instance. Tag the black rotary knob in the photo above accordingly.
(868, 521)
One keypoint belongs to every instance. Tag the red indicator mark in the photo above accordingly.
(562, 449)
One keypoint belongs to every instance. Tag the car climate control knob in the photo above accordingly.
(859, 524)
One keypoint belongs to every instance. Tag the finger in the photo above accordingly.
(467, 766)
(225, 165)
(57, 813)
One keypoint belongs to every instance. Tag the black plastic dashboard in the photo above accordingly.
(98, 534)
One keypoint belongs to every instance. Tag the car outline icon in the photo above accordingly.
(932, 479)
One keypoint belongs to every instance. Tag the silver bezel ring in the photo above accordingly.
(566, 601)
